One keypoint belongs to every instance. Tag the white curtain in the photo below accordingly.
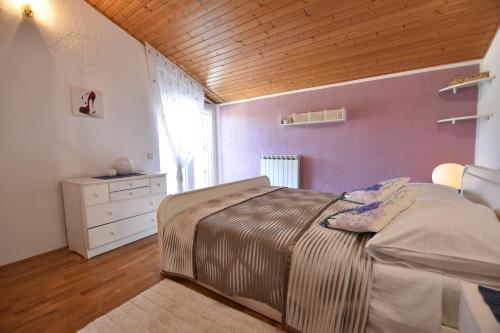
(178, 100)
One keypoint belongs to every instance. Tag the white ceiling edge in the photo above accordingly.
(373, 78)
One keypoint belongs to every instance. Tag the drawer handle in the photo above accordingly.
(111, 232)
(110, 213)
(130, 193)
(130, 184)
(151, 203)
(96, 195)
(158, 184)
(152, 220)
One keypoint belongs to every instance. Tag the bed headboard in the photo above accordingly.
(482, 185)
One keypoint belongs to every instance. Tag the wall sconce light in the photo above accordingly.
(27, 10)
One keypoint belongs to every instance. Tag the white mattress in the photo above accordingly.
(408, 300)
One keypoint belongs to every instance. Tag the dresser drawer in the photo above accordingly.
(114, 231)
(102, 214)
(130, 194)
(128, 184)
(95, 194)
(158, 185)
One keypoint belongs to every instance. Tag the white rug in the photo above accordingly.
(171, 307)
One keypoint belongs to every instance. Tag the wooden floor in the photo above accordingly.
(61, 292)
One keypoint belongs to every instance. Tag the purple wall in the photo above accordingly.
(390, 131)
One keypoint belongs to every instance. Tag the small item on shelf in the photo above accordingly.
(287, 119)
(111, 172)
(477, 76)
(472, 77)
(457, 80)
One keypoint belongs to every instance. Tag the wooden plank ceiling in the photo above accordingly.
(245, 48)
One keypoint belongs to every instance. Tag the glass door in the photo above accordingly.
(201, 171)
(203, 164)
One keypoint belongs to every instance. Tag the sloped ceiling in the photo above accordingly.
(239, 48)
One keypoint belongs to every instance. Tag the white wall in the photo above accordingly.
(66, 43)
(488, 131)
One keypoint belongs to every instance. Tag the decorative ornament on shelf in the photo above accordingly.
(472, 77)
(449, 174)
(457, 80)
(123, 166)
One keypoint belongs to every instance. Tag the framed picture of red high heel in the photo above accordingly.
(87, 103)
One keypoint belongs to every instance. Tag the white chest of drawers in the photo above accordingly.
(102, 215)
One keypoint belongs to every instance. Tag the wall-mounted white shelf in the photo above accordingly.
(454, 88)
(316, 117)
(454, 120)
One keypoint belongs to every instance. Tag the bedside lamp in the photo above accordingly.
(449, 174)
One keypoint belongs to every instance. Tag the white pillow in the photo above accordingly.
(453, 237)
(430, 191)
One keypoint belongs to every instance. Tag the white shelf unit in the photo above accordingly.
(454, 120)
(454, 88)
(316, 117)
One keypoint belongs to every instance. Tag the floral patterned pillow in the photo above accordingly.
(377, 192)
(374, 216)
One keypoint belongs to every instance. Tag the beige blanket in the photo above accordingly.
(266, 244)
(177, 236)
(330, 279)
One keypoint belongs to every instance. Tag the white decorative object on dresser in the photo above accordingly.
(103, 214)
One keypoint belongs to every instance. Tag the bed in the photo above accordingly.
(262, 247)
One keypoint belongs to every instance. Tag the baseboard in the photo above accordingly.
(6, 266)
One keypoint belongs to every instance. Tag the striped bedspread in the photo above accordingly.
(266, 244)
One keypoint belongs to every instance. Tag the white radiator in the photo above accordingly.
(282, 170)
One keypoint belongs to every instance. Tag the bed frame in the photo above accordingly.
(174, 204)
(482, 185)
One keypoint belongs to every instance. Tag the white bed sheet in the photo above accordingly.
(409, 300)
